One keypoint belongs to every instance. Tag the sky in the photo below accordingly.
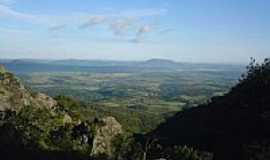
(214, 31)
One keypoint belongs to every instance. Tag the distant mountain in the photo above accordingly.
(21, 67)
(90, 63)
(111, 63)
(99, 66)
(160, 62)
(234, 126)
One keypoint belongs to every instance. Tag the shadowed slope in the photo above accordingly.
(228, 125)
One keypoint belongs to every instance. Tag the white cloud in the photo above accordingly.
(7, 12)
(144, 29)
(94, 20)
(167, 30)
(141, 33)
(119, 27)
(7, 2)
(117, 19)
(119, 22)
(57, 27)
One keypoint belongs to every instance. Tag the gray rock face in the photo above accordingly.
(2, 69)
(14, 96)
(44, 101)
(106, 130)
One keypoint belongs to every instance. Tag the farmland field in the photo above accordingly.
(140, 96)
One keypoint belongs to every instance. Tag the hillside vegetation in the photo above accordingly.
(233, 126)
(35, 128)
(141, 95)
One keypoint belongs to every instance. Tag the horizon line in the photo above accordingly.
(126, 60)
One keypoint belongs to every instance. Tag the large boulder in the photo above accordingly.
(106, 130)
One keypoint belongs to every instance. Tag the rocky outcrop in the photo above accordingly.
(67, 119)
(95, 137)
(2, 69)
(106, 130)
(43, 100)
(14, 96)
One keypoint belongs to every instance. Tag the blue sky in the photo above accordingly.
(219, 31)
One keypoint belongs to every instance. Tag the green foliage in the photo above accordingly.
(257, 73)
(34, 124)
(70, 106)
(61, 137)
(174, 153)
(229, 122)
(140, 101)
(45, 129)
(126, 147)
(66, 103)
(253, 88)
(184, 153)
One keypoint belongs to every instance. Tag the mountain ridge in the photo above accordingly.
(21, 66)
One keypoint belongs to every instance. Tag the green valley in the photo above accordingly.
(140, 98)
